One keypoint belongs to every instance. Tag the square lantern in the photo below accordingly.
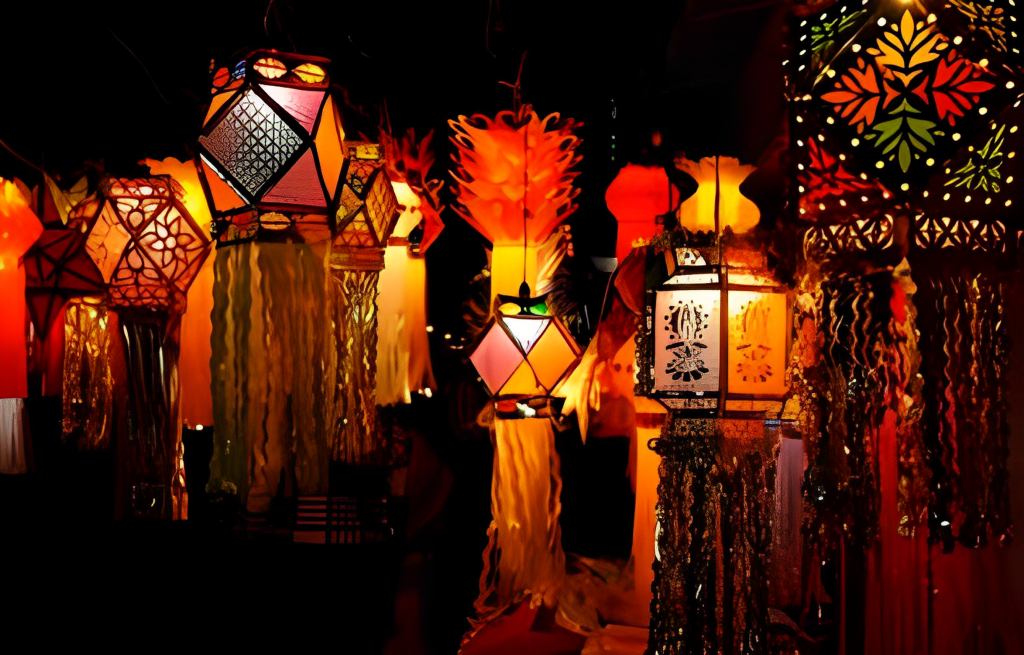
(714, 337)
(524, 352)
(270, 153)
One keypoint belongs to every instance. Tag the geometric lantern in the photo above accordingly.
(523, 353)
(270, 154)
(148, 249)
(145, 243)
(717, 329)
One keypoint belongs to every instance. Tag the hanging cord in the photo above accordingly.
(22, 159)
(280, 26)
(150, 75)
(517, 106)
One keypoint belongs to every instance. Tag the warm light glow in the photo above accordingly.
(21, 228)
(757, 342)
(697, 213)
(687, 340)
(636, 196)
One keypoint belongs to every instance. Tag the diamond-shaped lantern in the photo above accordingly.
(525, 351)
(271, 158)
(58, 268)
(148, 248)
(368, 209)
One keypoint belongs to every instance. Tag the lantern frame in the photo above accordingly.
(701, 267)
(258, 217)
(511, 405)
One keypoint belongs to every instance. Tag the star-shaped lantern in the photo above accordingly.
(146, 245)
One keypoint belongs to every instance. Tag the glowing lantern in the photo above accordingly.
(403, 350)
(637, 197)
(19, 229)
(718, 328)
(515, 186)
(523, 354)
(149, 249)
(271, 155)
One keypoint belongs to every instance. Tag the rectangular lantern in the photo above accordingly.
(714, 338)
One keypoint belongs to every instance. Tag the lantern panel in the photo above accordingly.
(496, 358)
(329, 149)
(526, 331)
(717, 178)
(523, 382)
(302, 104)
(552, 356)
(107, 241)
(252, 142)
(381, 206)
(687, 341)
(300, 185)
(224, 197)
(216, 103)
(757, 343)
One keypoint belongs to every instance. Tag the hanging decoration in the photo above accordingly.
(196, 323)
(905, 122)
(712, 347)
(403, 350)
(19, 229)
(88, 393)
(148, 249)
(270, 153)
(638, 197)
(514, 184)
(366, 220)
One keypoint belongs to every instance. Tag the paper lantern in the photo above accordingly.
(905, 120)
(19, 229)
(88, 381)
(637, 197)
(523, 353)
(148, 249)
(270, 154)
(515, 186)
(403, 350)
(715, 337)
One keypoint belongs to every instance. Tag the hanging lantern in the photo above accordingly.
(148, 249)
(717, 329)
(515, 186)
(271, 154)
(522, 355)
(403, 350)
(906, 147)
(19, 229)
(712, 347)
(637, 197)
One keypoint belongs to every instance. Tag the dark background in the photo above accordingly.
(117, 82)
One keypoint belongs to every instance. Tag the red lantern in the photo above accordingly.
(19, 228)
(637, 197)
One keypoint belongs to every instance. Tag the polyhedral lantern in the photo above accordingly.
(271, 154)
(523, 354)
(905, 122)
(712, 347)
(148, 249)
(19, 229)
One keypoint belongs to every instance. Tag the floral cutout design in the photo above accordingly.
(909, 86)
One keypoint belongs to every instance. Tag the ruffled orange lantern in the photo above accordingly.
(19, 229)
(515, 186)
(149, 249)
(637, 197)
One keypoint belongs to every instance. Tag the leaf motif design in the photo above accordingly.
(857, 95)
(956, 86)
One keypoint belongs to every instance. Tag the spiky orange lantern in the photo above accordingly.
(514, 184)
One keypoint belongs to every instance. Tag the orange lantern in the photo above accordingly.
(271, 154)
(637, 197)
(515, 186)
(19, 229)
(149, 249)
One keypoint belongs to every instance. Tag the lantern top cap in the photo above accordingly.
(287, 69)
